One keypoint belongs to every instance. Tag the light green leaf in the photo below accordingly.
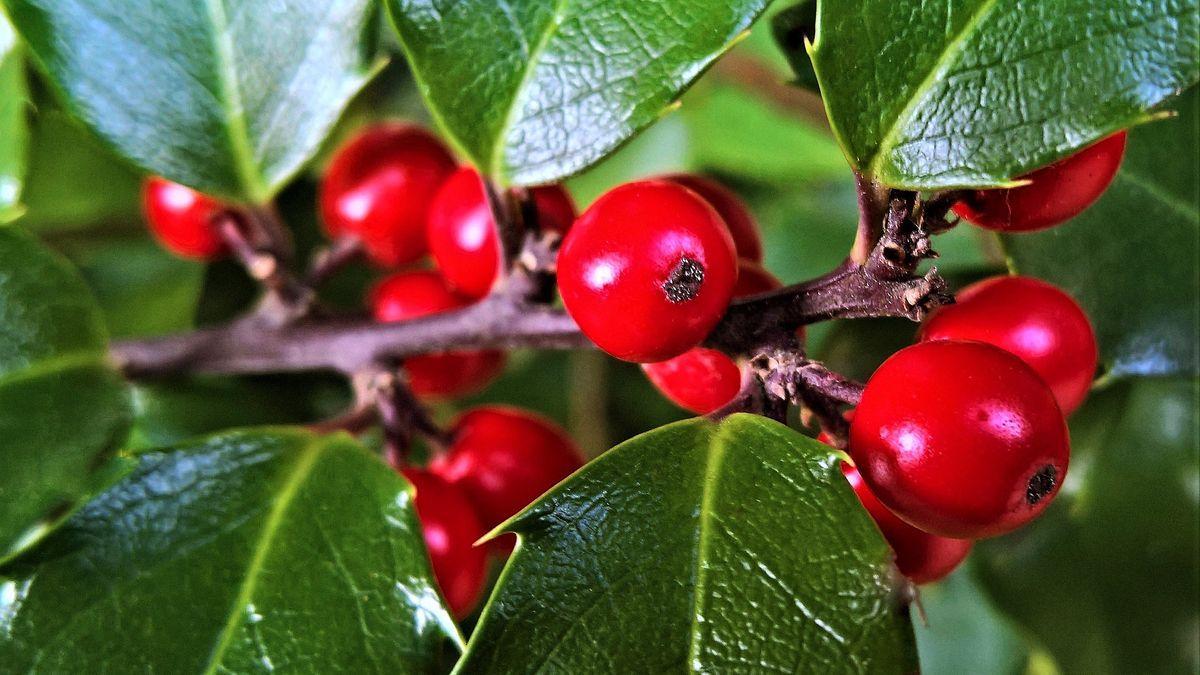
(230, 97)
(14, 123)
(1132, 260)
(63, 411)
(698, 547)
(251, 551)
(975, 92)
(534, 91)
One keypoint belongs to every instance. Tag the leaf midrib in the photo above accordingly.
(302, 469)
(496, 162)
(952, 49)
(716, 456)
(231, 97)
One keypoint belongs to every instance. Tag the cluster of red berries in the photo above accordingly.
(499, 461)
(958, 437)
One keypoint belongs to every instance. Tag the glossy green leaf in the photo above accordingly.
(249, 551)
(1131, 259)
(794, 27)
(14, 124)
(975, 92)
(698, 547)
(533, 91)
(1107, 578)
(230, 97)
(63, 412)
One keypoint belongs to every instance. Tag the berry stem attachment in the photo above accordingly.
(287, 297)
(330, 259)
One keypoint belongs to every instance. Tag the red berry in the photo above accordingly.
(408, 295)
(960, 439)
(1054, 195)
(504, 458)
(451, 529)
(1032, 319)
(922, 557)
(742, 227)
(378, 188)
(462, 232)
(647, 271)
(182, 219)
(702, 380)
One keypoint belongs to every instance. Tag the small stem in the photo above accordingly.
(400, 414)
(331, 259)
(287, 297)
(872, 204)
(753, 397)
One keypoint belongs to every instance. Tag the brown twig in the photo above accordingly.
(330, 259)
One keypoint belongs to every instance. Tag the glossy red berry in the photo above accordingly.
(1055, 193)
(960, 439)
(920, 556)
(408, 295)
(451, 529)
(741, 224)
(1032, 319)
(378, 188)
(462, 231)
(182, 219)
(504, 458)
(647, 271)
(702, 380)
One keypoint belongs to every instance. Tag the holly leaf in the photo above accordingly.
(248, 551)
(975, 92)
(1106, 578)
(14, 124)
(230, 97)
(1131, 259)
(63, 411)
(695, 547)
(535, 91)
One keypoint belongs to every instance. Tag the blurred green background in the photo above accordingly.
(1106, 582)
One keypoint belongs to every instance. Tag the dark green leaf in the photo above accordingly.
(142, 289)
(534, 91)
(1107, 578)
(180, 409)
(63, 412)
(698, 547)
(14, 125)
(1131, 259)
(249, 551)
(975, 92)
(230, 97)
(74, 182)
(794, 28)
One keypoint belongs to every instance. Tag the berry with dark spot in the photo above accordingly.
(960, 439)
(647, 270)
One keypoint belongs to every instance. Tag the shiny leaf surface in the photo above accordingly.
(533, 91)
(250, 551)
(227, 96)
(1131, 260)
(699, 547)
(976, 92)
(63, 411)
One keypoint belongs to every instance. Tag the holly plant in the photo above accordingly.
(318, 320)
